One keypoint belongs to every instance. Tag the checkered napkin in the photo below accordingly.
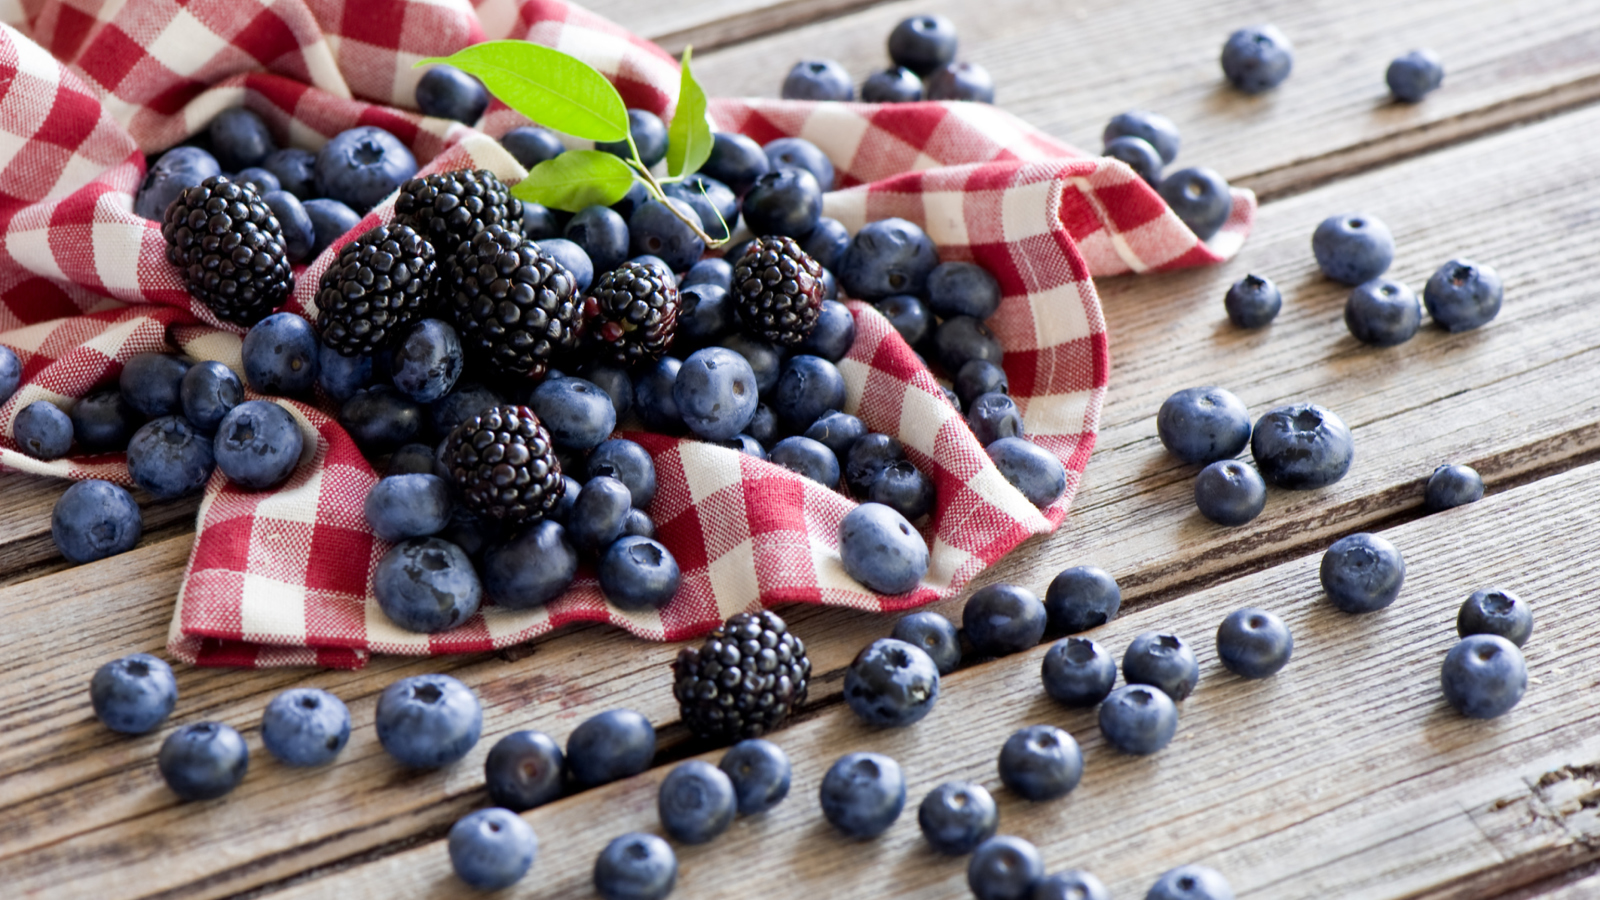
(284, 577)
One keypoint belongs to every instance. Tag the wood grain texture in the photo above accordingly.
(1514, 397)
(1346, 775)
(708, 24)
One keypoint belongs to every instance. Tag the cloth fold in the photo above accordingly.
(284, 577)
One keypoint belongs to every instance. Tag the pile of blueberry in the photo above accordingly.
(923, 52)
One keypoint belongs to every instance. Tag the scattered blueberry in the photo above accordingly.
(281, 354)
(765, 359)
(330, 220)
(629, 463)
(799, 153)
(1190, 883)
(716, 392)
(1073, 884)
(1138, 719)
(1139, 155)
(760, 774)
(491, 848)
(695, 802)
(994, 415)
(817, 79)
(42, 430)
(957, 816)
(151, 383)
(837, 431)
(363, 165)
(203, 761)
(1463, 295)
(783, 202)
(1078, 672)
(863, 793)
(713, 271)
(1452, 486)
(1496, 612)
(649, 135)
(601, 234)
(653, 396)
(262, 180)
(1001, 619)
(299, 233)
(446, 92)
(1201, 199)
(408, 506)
(1161, 660)
(735, 160)
(427, 360)
(1004, 868)
(714, 202)
(1254, 643)
(934, 635)
(1257, 58)
(1081, 598)
(654, 229)
(809, 458)
(103, 421)
(1301, 446)
(295, 170)
(889, 256)
(961, 339)
(636, 866)
(170, 457)
(1362, 573)
(1229, 492)
(577, 413)
(258, 445)
(426, 585)
(1153, 128)
(531, 145)
(380, 420)
(1041, 762)
(833, 335)
(807, 387)
(532, 568)
(598, 515)
(1484, 676)
(923, 43)
(305, 727)
(467, 400)
(93, 520)
(763, 427)
(1031, 469)
(1383, 313)
(908, 315)
(134, 694)
(523, 770)
(240, 139)
(428, 721)
(1352, 248)
(891, 683)
(880, 549)
(960, 81)
(1412, 76)
(178, 168)
(903, 488)
(638, 573)
(610, 746)
(1253, 302)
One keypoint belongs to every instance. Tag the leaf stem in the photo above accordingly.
(650, 183)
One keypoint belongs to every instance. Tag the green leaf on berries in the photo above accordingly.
(689, 137)
(550, 87)
(576, 180)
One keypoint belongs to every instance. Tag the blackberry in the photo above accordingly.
(379, 285)
(230, 248)
(744, 681)
(777, 291)
(504, 464)
(449, 208)
(514, 303)
(632, 314)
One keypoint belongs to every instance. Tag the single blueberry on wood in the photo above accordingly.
(1078, 672)
(1484, 676)
(1164, 661)
(1190, 883)
(1230, 492)
(1254, 643)
(1383, 313)
(1463, 295)
(760, 774)
(1353, 247)
(923, 43)
(1496, 612)
(695, 802)
(428, 721)
(1041, 762)
(635, 866)
(1081, 598)
(305, 727)
(957, 816)
(891, 683)
(523, 770)
(1253, 302)
(1413, 75)
(1001, 619)
(1451, 486)
(1257, 58)
(1138, 719)
(934, 635)
(492, 848)
(1301, 447)
(1004, 868)
(1362, 573)
(134, 694)
(862, 794)
(95, 519)
(1204, 424)
(203, 760)
(610, 746)
(1073, 884)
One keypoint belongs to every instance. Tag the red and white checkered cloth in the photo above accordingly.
(284, 577)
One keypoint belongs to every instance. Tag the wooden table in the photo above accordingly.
(1344, 776)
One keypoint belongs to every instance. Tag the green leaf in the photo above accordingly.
(689, 137)
(576, 180)
(556, 90)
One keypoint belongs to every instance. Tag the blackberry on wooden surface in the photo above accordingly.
(229, 245)
(744, 681)
(777, 291)
(381, 283)
(503, 462)
(513, 303)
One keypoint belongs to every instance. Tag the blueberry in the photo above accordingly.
(1484, 676)
(818, 79)
(1383, 313)
(932, 634)
(638, 573)
(960, 339)
(830, 285)
(903, 488)
(993, 416)
(465, 401)
(42, 430)
(614, 381)
(446, 92)
(134, 694)
(151, 383)
(1190, 883)
(923, 43)
(412, 459)
(837, 431)
(599, 514)
(1229, 492)
(295, 170)
(1257, 58)
(808, 387)
(1254, 643)
(880, 549)
(408, 506)
(305, 727)
(573, 258)
(170, 457)
(759, 772)
(1352, 247)
(1138, 719)
(1200, 198)
(637, 194)
(908, 315)
(474, 534)
(601, 234)
(1452, 486)
(695, 802)
(1001, 619)
(299, 234)
(1004, 868)
(427, 360)
(1041, 762)
(784, 202)
(736, 161)
(1081, 598)
(258, 445)
(426, 585)
(957, 816)
(889, 256)
(1078, 672)
(1161, 660)
(714, 202)
(428, 721)
(654, 229)
(1362, 573)
(613, 745)
(523, 770)
(629, 463)
(531, 145)
(863, 793)
(869, 455)
(1031, 469)
(716, 394)
(491, 848)
(541, 223)
(799, 153)
(959, 81)
(896, 84)
(260, 179)
(1411, 76)
(532, 568)
(281, 355)
(330, 220)
(240, 139)
(103, 421)
(10, 373)
(765, 359)
(834, 334)
(713, 271)
(178, 168)
(809, 458)
(891, 683)
(636, 866)
(203, 761)
(1155, 129)
(653, 396)
(1253, 302)
(1073, 884)
(93, 520)
(1139, 155)
(963, 289)
(705, 314)
(379, 419)
(763, 427)
(578, 414)
(649, 135)
(1301, 447)
(828, 241)
(363, 165)
(1463, 295)
(1495, 612)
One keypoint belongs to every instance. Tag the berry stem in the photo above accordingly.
(650, 183)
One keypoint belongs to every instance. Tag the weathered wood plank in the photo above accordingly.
(715, 23)
(1514, 396)
(1344, 775)
(1068, 68)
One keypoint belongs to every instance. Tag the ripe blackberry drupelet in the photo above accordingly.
(380, 284)
(448, 208)
(230, 248)
(514, 303)
(504, 464)
(744, 681)
(631, 314)
(777, 291)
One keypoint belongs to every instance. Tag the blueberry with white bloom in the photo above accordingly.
(1451, 486)
(1190, 883)
(1301, 447)
(1230, 492)
(1496, 612)
(1161, 660)
(492, 848)
(427, 585)
(134, 694)
(1484, 676)
(523, 770)
(532, 568)
(863, 793)
(408, 506)
(715, 392)
(1078, 672)
(880, 549)
(428, 721)
(170, 457)
(957, 816)
(258, 445)
(934, 635)
(1001, 619)
(95, 519)
(1203, 424)
(305, 727)
(203, 760)
(1004, 868)
(1200, 198)
(1362, 573)
(42, 430)
(1138, 719)
(1254, 643)
(1353, 247)
(1253, 301)
(635, 866)
(1030, 468)
(1257, 58)
(1413, 75)
(809, 458)
(695, 802)
(638, 573)
(1463, 295)
(760, 773)
(1383, 313)
(1041, 762)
